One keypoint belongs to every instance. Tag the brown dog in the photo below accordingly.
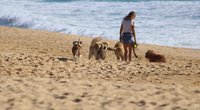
(154, 57)
(76, 49)
(98, 48)
(119, 50)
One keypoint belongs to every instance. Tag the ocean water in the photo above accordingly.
(162, 22)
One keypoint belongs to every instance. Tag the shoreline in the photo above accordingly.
(37, 71)
(183, 47)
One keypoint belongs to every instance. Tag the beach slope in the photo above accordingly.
(37, 73)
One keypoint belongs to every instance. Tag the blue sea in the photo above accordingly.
(161, 22)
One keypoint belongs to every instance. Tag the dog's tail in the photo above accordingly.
(79, 39)
(95, 40)
(112, 49)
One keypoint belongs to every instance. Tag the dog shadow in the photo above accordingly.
(64, 59)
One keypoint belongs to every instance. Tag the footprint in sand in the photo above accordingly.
(163, 105)
(60, 97)
(197, 91)
(77, 100)
(85, 94)
(11, 103)
(153, 103)
(140, 103)
(66, 93)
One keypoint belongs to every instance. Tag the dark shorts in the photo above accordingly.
(126, 38)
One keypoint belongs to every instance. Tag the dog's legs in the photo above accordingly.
(97, 56)
(122, 57)
(75, 58)
(79, 54)
(89, 57)
(90, 53)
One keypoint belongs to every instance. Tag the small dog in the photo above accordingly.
(154, 57)
(98, 49)
(76, 49)
(119, 50)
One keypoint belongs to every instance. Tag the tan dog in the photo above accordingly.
(98, 49)
(119, 50)
(76, 49)
(154, 57)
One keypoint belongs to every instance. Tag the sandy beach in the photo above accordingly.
(38, 73)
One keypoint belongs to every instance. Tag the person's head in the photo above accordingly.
(131, 15)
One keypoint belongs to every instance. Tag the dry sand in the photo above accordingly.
(37, 73)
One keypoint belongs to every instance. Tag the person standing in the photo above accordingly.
(127, 34)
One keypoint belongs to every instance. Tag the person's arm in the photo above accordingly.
(133, 32)
(120, 31)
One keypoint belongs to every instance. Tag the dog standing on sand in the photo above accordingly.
(119, 50)
(98, 49)
(154, 57)
(76, 49)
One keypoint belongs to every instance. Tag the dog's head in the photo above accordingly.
(148, 54)
(77, 44)
(101, 48)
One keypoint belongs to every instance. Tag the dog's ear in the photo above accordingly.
(74, 42)
(148, 53)
(101, 46)
(97, 45)
(80, 43)
(105, 48)
(105, 44)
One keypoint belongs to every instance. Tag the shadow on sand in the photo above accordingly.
(65, 59)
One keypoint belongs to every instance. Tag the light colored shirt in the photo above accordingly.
(127, 26)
